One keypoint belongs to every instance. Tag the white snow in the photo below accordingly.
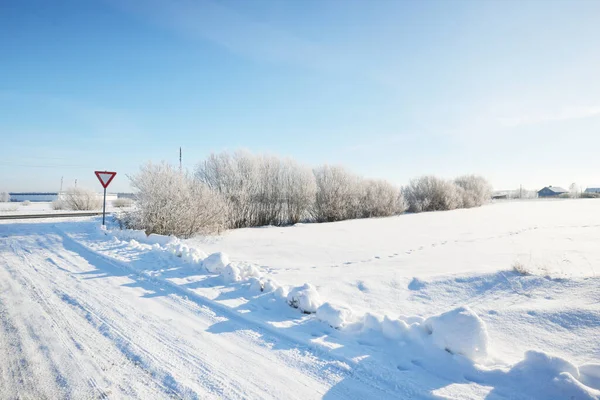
(43, 207)
(459, 331)
(335, 315)
(216, 262)
(305, 298)
(415, 306)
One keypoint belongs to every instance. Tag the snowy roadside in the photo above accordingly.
(453, 346)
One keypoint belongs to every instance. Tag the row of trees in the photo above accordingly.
(266, 190)
(242, 190)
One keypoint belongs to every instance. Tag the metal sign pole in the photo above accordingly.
(104, 208)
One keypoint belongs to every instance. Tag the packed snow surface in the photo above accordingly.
(415, 306)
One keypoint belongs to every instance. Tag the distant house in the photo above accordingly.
(551, 191)
(592, 190)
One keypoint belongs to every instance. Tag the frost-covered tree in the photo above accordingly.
(4, 197)
(299, 191)
(574, 190)
(474, 190)
(430, 193)
(338, 194)
(170, 202)
(259, 189)
(78, 199)
(381, 199)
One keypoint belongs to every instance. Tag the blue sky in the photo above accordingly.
(391, 89)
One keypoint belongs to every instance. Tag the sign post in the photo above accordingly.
(105, 178)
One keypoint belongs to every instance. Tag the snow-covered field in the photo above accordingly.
(415, 306)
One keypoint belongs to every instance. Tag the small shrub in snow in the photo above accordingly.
(305, 298)
(122, 203)
(216, 262)
(336, 316)
(26, 203)
(78, 199)
(170, 202)
(520, 268)
(459, 331)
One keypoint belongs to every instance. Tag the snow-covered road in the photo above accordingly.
(75, 325)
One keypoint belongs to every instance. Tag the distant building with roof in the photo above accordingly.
(592, 190)
(551, 191)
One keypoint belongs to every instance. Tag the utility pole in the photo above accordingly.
(61, 184)
(75, 182)
(521, 191)
(180, 169)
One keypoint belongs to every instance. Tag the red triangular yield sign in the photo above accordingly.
(105, 177)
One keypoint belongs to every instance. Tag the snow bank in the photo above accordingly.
(554, 377)
(459, 331)
(239, 272)
(188, 254)
(305, 298)
(216, 262)
(394, 328)
(337, 316)
(590, 375)
(139, 236)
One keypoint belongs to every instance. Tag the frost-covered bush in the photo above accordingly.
(588, 195)
(430, 193)
(475, 190)
(381, 199)
(259, 190)
(170, 202)
(4, 197)
(26, 203)
(78, 199)
(122, 202)
(339, 193)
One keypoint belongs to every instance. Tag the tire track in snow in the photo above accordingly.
(170, 332)
(80, 354)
